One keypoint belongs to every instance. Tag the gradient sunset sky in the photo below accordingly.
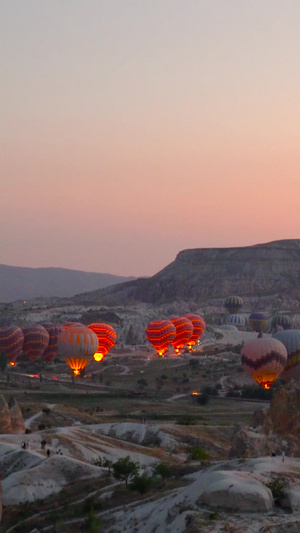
(133, 129)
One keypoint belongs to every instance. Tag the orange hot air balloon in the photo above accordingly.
(264, 359)
(184, 331)
(77, 346)
(54, 331)
(36, 339)
(11, 342)
(199, 328)
(106, 339)
(160, 333)
(72, 325)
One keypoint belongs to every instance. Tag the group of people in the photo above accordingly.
(25, 446)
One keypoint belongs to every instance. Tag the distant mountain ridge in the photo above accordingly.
(25, 283)
(199, 275)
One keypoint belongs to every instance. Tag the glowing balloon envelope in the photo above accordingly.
(198, 330)
(54, 331)
(107, 337)
(184, 331)
(36, 339)
(160, 333)
(77, 346)
(264, 359)
(291, 340)
(11, 342)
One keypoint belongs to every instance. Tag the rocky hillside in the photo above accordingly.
(268, 271)
(26, 283)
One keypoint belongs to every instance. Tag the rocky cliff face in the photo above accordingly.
(266, 271)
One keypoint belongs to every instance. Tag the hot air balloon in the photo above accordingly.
(281, 322)
(77, 346)
(72, 325)
(11, 342)
(160, 333)
(236, 320)
(54, 331)
(233, 304)
(199, 328)
(258, 322)
(106, 339)
(36, 339)
(291, 340)
(264, 359)
(184, 331)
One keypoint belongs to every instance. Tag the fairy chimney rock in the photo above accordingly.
(17, 420)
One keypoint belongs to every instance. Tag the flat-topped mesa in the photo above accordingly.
(262, 271)
(278, 250)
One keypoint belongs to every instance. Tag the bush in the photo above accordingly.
(162, 469)
(141, 483)
(278, 488)
(256, 392)
(46, 410)
(196, 453)
(211, 391)
(202, 399)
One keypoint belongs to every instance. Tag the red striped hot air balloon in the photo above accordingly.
(54, 331)
(107, 337)
(11, 342)
(199, 328)
(264, 359)
(77, 346)
(184, 331)
(36, 339)
(160, 333)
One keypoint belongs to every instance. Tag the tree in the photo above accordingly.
(107, 463)
(141, 483)
(125, 468)
(162, 469)
(202, 399)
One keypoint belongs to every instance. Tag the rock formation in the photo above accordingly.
(11, 418)
(272, 431)
(284, 410)
(264, 274)
(17, 420)
(5, 417)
